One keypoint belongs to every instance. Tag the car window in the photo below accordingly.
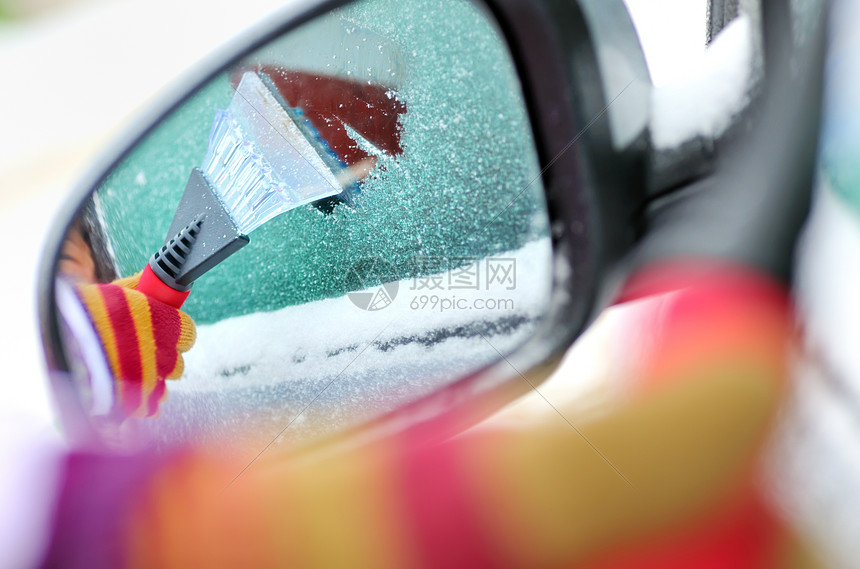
(448, 135)
(434, 259)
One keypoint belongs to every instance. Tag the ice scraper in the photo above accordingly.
(260, 163)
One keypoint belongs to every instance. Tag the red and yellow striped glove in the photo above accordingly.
(143, 341)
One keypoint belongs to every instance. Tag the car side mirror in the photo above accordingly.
(363, 202)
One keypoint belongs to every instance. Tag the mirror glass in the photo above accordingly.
(380, 162)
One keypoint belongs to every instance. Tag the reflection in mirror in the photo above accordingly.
(363, 195)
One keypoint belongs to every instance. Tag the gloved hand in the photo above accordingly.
(143, 341)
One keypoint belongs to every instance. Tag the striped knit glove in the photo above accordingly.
(143, 340)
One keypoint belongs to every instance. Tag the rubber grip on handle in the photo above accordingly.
(153, 287)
